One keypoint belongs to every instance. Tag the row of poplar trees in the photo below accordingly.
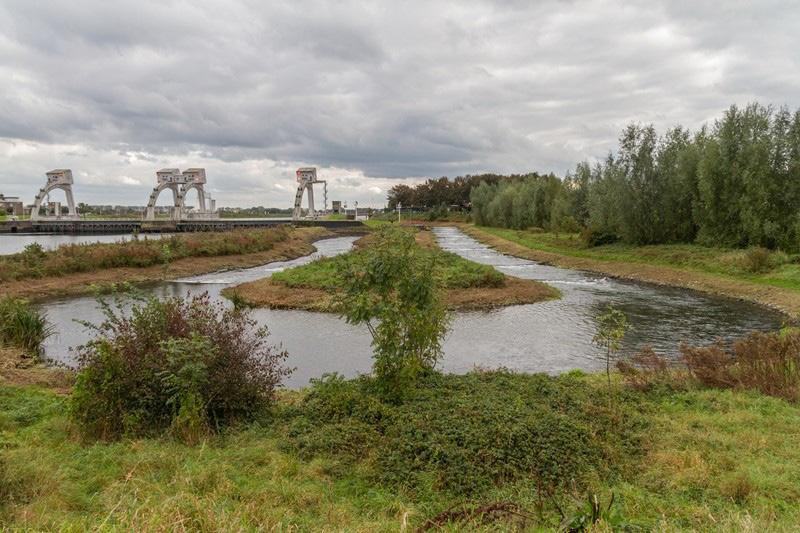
(735, 183)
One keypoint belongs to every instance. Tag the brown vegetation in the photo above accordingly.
(276, 295)
(765, 362)
(296, 245)
(17, 368)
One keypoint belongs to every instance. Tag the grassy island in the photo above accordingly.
(316, 286)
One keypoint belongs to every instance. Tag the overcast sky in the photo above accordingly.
(371, 93)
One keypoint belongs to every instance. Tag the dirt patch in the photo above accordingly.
(425, 239)
(17, 369)
(515, 291)
(784, 300)
(297, 245)
(276, 295)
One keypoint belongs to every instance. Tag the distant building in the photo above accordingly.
(336, 207)
(11, 205)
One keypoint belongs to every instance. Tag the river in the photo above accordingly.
(552, 336)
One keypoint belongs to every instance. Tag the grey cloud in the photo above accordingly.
(385, 89)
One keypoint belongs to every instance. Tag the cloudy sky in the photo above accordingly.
(371, 93)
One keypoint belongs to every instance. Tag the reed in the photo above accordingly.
(23, 326)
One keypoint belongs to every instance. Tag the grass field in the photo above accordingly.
(690, 459)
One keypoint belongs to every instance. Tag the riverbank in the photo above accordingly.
(779, 289)
(296, 243)
(678, 459)
(466, 285)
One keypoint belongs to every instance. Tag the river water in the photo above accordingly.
(552, 336)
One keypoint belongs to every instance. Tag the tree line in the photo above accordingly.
(443, 191)
(735, 183)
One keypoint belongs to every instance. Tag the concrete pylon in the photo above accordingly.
(306, 178)
(180, 183)
(60, 178)
(172, 179)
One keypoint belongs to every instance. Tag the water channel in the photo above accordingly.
(552, 336)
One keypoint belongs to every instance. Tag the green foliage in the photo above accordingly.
(528, 201)
(734, 184)
(22, 325)
(35, 262)
(592, 512)
(688, 460)
(593, 237)
(450, 271)
(467, 435)
(185, 365)
(388, 287)
(612, 325)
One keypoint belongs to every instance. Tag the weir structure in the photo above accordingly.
(60, 178)
(180, 183)
(306, 178)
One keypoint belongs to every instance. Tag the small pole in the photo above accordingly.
(399, 206)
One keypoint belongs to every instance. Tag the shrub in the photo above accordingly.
(23, 326)
(758, 260)
(766, 362)
(389, 288)
(180, 364)
(648, 370)
(594, 237)
(467, 434)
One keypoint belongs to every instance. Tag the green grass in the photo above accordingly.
(451, 270)
(336, 459)
(376, 223)
(733, 263)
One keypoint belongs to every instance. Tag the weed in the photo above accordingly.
(35, 262)
(23, 326)
(183, 365)
(464, 435)
(758, 260)
(767, 362)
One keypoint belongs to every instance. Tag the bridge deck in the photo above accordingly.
(112, 226)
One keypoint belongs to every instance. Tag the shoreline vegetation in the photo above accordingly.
(36, 276)
(317, 286)
(716, 271)
(175, 420)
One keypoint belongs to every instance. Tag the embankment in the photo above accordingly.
(782, 299)
(297, 244)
